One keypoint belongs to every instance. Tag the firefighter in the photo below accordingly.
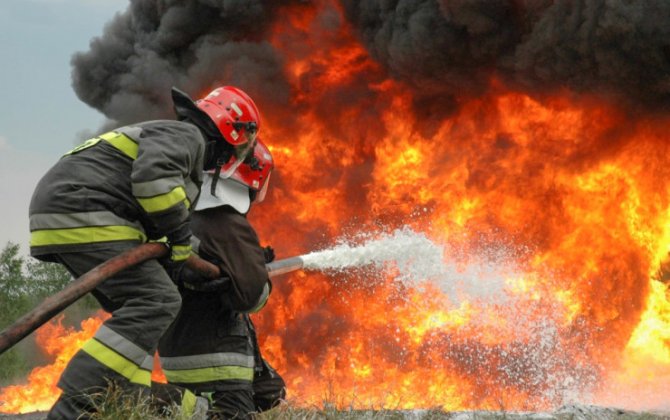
(211, 349)
(115, 191)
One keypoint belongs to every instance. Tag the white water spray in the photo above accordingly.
(415, 258)
(484, 280)
(414, 255)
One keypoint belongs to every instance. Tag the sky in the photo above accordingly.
(40, 116)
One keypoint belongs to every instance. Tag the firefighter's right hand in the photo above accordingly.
(175, 270)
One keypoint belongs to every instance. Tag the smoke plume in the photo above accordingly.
(445, 50)
(194, 45)
(458, 47)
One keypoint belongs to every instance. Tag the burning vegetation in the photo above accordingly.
(529, 139)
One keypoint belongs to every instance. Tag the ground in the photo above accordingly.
(568, 412)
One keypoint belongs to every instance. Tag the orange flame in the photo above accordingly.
(59, 343)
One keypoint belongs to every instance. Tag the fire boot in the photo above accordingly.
(166, 397)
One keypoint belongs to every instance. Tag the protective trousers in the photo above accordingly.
(267, 387)
(143, 302)
(214, 353)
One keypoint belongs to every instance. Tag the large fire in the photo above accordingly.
(554, 211)
(60, 343)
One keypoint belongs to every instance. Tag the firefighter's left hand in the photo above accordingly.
(215, 285)
(269, 254)
(174, 269)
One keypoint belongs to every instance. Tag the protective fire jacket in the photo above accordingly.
(212, 346)
(127, 185)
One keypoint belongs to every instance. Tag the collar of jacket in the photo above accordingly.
(228, 193)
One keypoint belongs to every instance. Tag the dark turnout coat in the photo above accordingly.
(113, 192)
(211, 348)
(132, 184)
(211, 345)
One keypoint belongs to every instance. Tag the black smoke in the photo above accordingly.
(614, 48)
(193, 44)
(445, 50)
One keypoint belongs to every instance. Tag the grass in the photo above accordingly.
(290, 412)
(114, 404)
(294, 413)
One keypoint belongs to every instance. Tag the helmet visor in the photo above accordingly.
(264, 190)
(240, 153)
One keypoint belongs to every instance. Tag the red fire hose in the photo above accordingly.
(54, 304)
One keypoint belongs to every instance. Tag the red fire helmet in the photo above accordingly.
(255, 172)
(237, 119)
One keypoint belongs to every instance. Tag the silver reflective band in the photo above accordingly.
(262, 300)
(131, 131)
(195, 244)
(74, 220)
(207, 360)
(124, 347)
(156, 187)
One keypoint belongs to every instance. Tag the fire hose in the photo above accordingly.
(79, 287)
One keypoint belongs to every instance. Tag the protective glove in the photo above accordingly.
(174, 269)
(216, 285)
(179, 244)
(193, 280)
(269, 254)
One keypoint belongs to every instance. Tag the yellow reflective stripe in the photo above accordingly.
(119, 140)
(122, 142)
(85, 145)
(117, 363)
(187, 405)
(218, 373)
(180, 252)
(85, 235)
(164, 201)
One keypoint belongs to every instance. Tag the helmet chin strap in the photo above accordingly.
(217, 172)
(222, 154)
